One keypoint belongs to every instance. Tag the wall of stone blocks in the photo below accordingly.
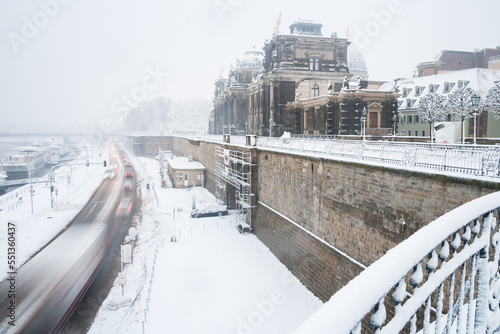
(363, 211)
(149, 145)
(319, 267)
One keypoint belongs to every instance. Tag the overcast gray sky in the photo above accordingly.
(81, 62)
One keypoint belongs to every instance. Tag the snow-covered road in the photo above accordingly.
(212, 280)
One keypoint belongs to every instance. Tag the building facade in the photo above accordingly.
(411, 90)
(185, 172)
(302, 83)
(450, 60)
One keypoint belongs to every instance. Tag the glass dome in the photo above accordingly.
(356, 62)
(251, 59)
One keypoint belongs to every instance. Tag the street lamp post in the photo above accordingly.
(394, 118)
(364, 123)
(31, 184)
(52, 181)
(270, 128)
(475, 107)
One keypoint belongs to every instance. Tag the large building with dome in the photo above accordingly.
(303, 83)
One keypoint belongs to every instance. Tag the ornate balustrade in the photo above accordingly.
(477, 160)
(443, 279)
(480, 160)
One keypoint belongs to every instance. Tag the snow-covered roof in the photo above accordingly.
(411, 90)
(184, 163)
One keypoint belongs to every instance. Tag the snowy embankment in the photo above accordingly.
(35, 230)
(212, 280)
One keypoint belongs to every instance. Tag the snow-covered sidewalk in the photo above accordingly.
(212, 280)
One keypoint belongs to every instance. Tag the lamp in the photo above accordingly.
(475, 107)
(364, 123)
(395, 119)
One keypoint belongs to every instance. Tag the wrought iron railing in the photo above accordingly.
(315, 137)
(480, 160)
(443, 279)
(476, 160)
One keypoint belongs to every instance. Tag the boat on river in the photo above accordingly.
(16, 164)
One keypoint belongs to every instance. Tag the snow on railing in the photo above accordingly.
(443, 279)
(480, 160)
(476, 160)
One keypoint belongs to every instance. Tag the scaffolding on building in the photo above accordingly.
(234, 168)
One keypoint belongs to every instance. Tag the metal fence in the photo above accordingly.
(468, 159)
(481, 160)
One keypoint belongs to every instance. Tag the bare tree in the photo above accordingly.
(162, 114)
(460, 104)
(432, 108)
(163, 109)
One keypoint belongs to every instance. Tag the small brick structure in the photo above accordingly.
(185, 172)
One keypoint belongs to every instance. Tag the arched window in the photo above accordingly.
(315, 90)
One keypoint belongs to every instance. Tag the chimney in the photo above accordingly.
(476, 51)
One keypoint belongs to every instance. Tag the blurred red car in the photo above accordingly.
(127, 186)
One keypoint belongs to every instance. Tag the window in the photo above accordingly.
(402, 120)
(313, 64)
(423, 133)
(409, 133)
(315, 90)
(410, 119)
(462, 84)
(483, 120)
(179, 176)
(419, 90)
(405, 92)
(185, 177)
(448, 86)
(448, 118)
(408, 103)
(416, 119)
(433, 88)
(416, 133)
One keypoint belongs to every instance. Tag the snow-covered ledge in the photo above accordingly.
(409, 287)
(465, 161)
